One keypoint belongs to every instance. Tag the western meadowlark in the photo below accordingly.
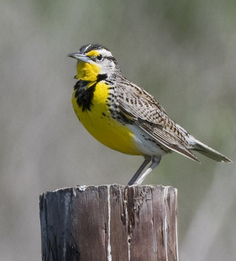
(125, 117)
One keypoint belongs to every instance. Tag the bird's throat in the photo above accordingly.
(87, 71)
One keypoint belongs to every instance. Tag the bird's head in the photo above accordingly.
(94, 60)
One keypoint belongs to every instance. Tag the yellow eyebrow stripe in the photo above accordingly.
(93, 53)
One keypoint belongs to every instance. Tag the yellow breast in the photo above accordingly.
(102, 126)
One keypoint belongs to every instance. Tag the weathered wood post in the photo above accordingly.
(110, 222)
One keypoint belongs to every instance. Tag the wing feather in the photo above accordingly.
(142, 108)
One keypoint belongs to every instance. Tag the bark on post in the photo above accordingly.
(109, 222)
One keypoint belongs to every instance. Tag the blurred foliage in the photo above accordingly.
(183, 52)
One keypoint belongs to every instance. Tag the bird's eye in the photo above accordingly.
(99, 57)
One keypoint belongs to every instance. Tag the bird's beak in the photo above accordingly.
(81, 57)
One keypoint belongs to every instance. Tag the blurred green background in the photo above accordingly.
(183, 52)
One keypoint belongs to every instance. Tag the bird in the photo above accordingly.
(124, 116)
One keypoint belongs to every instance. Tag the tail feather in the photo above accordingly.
(209, 152)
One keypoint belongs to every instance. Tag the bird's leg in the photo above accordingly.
(155, 162)
(147, 159)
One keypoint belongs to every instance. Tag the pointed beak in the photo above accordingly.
(79, 56)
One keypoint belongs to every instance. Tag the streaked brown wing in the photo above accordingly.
(167, 139)
(139, 106)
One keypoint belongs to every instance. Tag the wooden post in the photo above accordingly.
(110, 222)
